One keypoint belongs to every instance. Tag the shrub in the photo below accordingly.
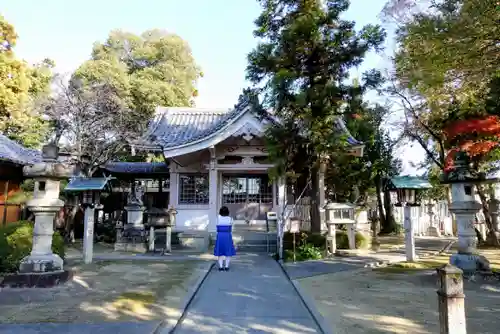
(16, 240)
(362, 241)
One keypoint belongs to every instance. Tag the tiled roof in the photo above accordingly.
(13, 152)
(179, 126)
(84, 183)
(173, 127)
(137, 167)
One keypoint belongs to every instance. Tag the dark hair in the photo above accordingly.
(224, 211)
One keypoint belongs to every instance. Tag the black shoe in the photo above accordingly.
(226, 269)
(221, 269)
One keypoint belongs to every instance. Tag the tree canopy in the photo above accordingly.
(300, 65)
(20, 87)
(146, 71)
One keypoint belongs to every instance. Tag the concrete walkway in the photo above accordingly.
(254, 297)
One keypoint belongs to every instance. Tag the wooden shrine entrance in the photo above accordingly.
(248, 197)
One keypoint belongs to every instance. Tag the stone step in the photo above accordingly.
(249, 228)
(252, 248)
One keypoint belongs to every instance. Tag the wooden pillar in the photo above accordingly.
(5, 198)
(213, 193)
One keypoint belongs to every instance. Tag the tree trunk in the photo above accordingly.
(390, 225)
(70, 225)
(315, 201)
(491, 238)
(380, 203)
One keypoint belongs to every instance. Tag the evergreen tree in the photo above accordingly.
(300, 66)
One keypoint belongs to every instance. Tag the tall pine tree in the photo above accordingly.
(300, 66)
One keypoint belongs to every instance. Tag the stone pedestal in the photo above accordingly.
(411, 255)
(464, 206)
(41, 258)
(133, 236)
(45, 205)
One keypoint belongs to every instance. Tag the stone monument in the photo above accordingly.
(133, 237)
(464, 205)
(432, 230)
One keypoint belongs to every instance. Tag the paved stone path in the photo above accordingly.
(254, 297)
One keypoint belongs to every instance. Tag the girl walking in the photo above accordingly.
(224, 247)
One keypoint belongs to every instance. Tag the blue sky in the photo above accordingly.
(218, 31)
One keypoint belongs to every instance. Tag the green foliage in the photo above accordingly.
(20, 88)
(354, 178)
(146, 71)
(311, 246)
(305, 52)
(16, 241)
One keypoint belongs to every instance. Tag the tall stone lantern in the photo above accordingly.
(464, 205)
(45, 204)
(408, 189)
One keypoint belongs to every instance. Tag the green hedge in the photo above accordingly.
(16, 240)
(319, 240)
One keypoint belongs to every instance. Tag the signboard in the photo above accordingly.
(294, 226)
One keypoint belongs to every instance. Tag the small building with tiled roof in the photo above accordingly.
(216, 157)
(13, 157)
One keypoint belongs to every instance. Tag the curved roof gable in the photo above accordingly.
(177, 131)
(14, 152)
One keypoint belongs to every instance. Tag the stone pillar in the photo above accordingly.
(451, 300)
(351, 235)
(465, 207)
(411, 256)
(45, 204)
(331, 241)
(152, 237)
(88, 236)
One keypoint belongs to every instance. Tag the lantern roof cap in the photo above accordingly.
(339, 206)
(408, 182)
(87, 183)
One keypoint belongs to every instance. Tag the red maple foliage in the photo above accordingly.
(486, 130)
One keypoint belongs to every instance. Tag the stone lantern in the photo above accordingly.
(159, 219)
(462, 179)
(45, 204)
(339, 214)
(408, 189)
(432, 230)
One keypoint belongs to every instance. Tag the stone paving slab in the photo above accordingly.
(254, 297)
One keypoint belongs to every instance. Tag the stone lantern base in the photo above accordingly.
(133, 237)
(36, 280)
(470, 263)
(433, 231)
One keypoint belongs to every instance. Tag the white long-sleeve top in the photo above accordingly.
(224, 220)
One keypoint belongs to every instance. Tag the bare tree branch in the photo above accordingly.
(92, 122)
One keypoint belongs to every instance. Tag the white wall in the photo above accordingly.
(191, 219)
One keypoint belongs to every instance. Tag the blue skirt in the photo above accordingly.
(224, 243)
